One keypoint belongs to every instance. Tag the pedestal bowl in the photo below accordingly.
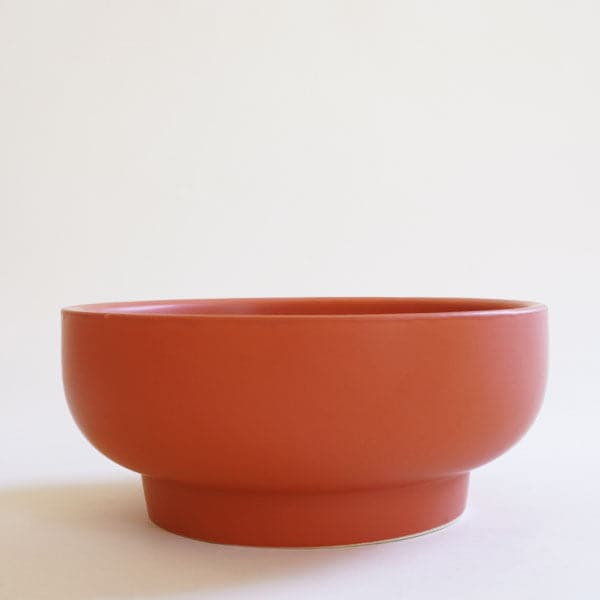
(304, 421)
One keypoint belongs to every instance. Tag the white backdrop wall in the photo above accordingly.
(154, 149)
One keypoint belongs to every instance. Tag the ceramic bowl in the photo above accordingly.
(307, 421)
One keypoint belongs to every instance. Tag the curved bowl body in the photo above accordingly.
(313, 421)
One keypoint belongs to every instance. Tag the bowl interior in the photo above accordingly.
(308, 306)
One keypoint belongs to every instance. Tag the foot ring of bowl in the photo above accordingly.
(300, 519)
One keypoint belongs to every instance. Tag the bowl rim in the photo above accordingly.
(135, 309)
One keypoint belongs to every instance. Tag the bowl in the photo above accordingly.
(304, 421)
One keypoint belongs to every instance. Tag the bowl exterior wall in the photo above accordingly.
(301, 403)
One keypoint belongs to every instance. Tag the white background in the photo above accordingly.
(274, 148)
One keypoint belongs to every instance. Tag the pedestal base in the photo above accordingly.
(257, 518)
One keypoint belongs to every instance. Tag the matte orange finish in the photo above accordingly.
(311, 421)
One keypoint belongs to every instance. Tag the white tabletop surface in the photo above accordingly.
(74, 527)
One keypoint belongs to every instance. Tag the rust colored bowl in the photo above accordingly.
(304, 422)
